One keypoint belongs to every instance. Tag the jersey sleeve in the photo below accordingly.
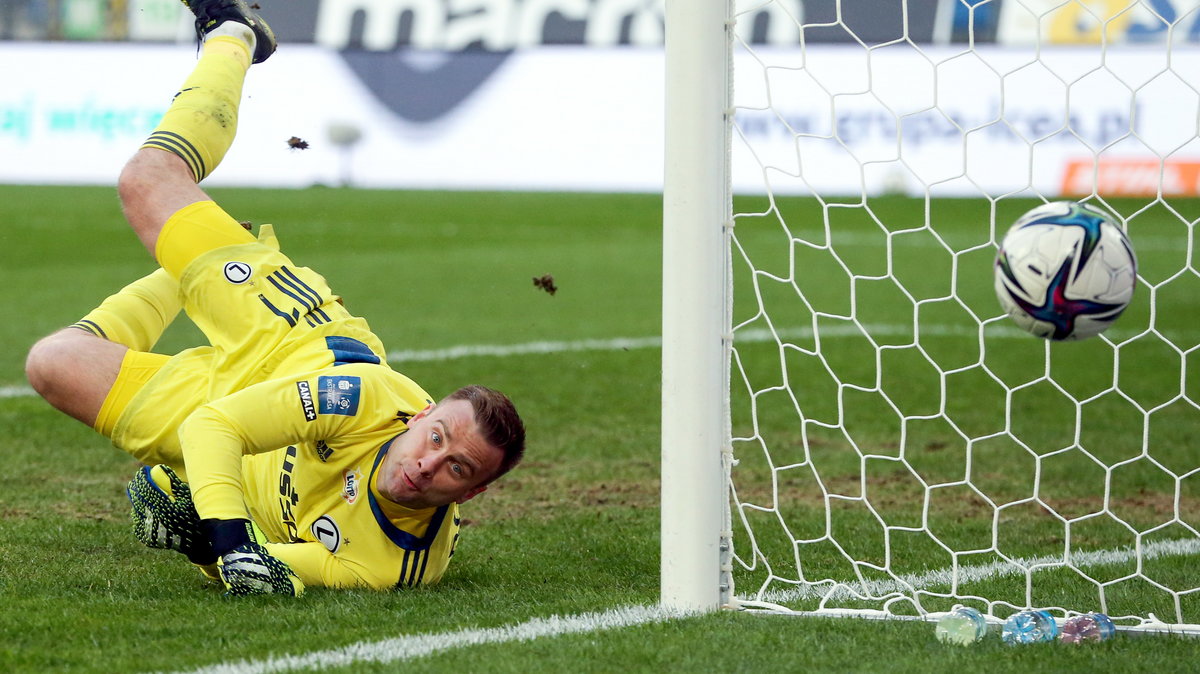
(317, 406)
(316, 566)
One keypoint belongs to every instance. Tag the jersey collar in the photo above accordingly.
(397, 535)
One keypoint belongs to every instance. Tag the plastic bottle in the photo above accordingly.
(1029, 627)
(1089, 627)
(962, 626)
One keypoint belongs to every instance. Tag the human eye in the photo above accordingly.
(457, 468)
(436, 437)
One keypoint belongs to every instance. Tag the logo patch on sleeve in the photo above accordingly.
(339, 395)
(306, 401)
(238, 273)
(327, 533)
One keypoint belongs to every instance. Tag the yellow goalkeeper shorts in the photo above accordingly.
(262, 313)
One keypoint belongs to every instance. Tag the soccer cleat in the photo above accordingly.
(212, 13)
(163, 515)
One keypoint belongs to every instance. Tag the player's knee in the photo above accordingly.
(152, 187)
(135, 181)
(51, 361)
(40, 366)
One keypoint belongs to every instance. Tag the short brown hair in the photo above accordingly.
(498, 422)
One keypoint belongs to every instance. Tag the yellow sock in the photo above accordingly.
(200, 124)
(136, 315)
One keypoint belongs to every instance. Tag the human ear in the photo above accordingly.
(423, 413)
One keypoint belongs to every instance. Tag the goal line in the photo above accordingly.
(409, 647)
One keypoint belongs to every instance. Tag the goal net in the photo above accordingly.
(891, 443)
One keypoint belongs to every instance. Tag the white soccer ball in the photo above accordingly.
(1065, 271)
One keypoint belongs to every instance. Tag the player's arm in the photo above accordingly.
(315, 565)
(260, 418)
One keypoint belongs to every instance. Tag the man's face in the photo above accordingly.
(441, 459)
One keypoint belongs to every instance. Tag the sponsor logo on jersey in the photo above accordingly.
(288, 497)
(327, 533)
(238, 273)
(324, 451)
(353, 485)
(339, 395)
(306, 401)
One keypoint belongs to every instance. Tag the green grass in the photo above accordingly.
(575, 529)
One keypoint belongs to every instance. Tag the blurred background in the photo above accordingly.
(877, 96)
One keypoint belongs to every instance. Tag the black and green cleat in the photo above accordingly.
(212, 13)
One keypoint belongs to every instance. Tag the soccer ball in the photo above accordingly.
(1065, 271)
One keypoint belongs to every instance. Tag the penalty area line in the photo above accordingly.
(742, 336)
(548, 347)
(419, 645)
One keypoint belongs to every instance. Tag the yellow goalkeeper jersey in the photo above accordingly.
(340, 530)
(315, 497)
(285, 418)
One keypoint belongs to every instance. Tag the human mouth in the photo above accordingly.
(407, 480)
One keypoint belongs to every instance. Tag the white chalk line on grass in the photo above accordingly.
(16, 392)
(420, 645)
(751, 335)
(745, 335)
(617, 344)
(974, 574)
(742, 336)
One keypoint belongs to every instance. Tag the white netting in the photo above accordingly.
(897, 443)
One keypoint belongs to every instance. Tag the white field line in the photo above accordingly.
(747, 336)
(742, 336)
(1141, 242)
(419, 645)
(972, 574)
(465, 351)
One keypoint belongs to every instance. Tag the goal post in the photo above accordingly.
(696, 206)
(850, 424)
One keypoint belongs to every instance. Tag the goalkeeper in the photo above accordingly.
(285, 452)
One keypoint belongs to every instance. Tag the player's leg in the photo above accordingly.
(89, 369)
(137, 315)
(243, 294)
(74, 370)
(200, 124)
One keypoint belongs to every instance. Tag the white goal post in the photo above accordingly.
(696, 203)
(850, 425)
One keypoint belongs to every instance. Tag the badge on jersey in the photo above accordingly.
(327, 533)
(352, 485)
(338, 395)
(306, 401)
(238, 273)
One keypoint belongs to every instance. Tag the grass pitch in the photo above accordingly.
(573, 532)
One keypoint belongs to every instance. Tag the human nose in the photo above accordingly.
(427, 463)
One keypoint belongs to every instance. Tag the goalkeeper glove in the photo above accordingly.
(250, 569)
(246, 567)
(163, 515)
